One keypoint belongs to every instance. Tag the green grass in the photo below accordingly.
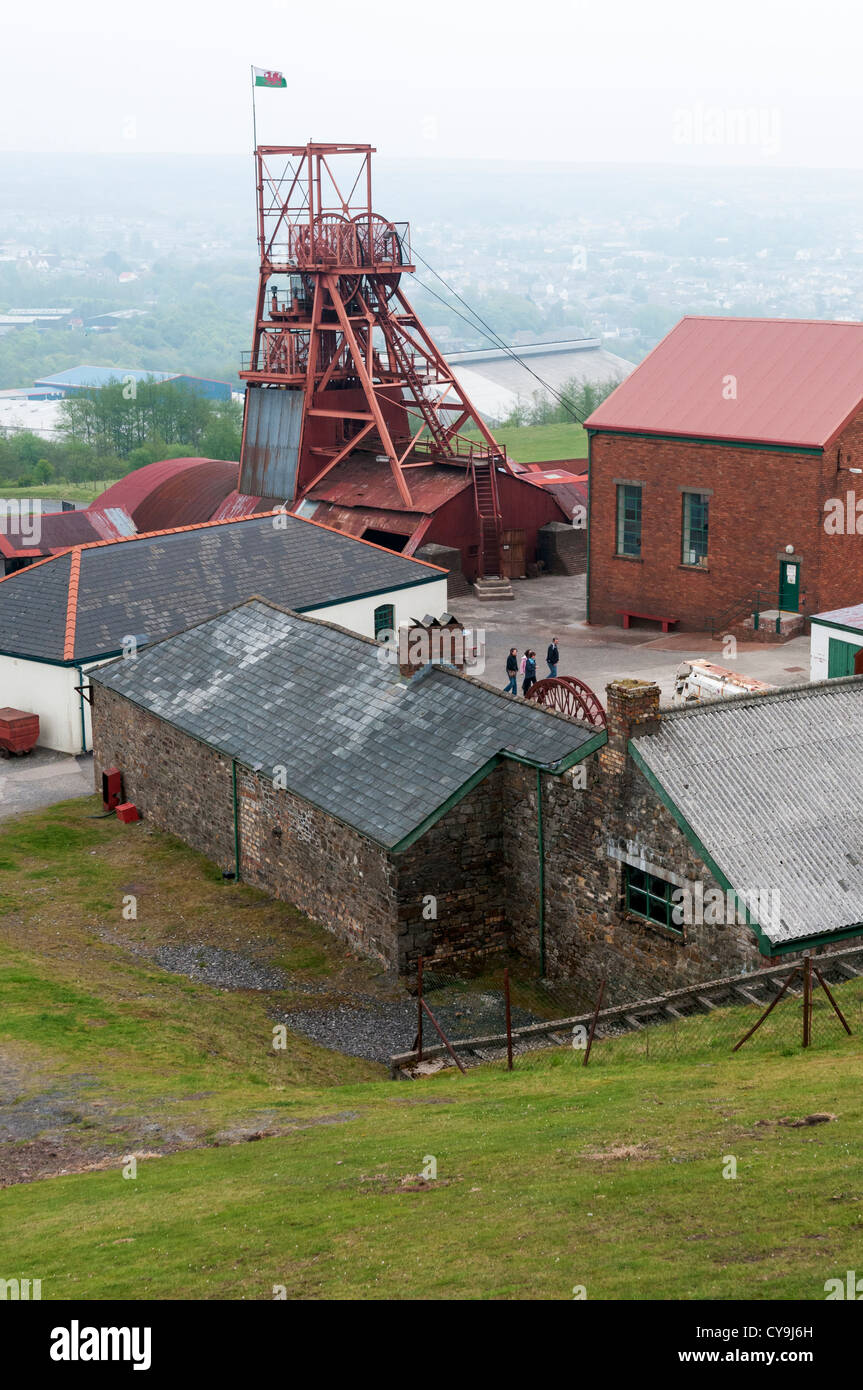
(548, 1177)
(68, 492)
(538, 443)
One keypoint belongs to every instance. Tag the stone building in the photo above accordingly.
(62, 617)
(724, 477)
(414, 810)
(372, 796)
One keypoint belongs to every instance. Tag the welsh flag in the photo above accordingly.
(264, 77)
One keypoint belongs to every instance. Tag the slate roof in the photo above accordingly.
(798, 382)
(770, 786)
(274, 689)
(152, 585)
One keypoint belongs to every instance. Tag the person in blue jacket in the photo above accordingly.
(552, 657)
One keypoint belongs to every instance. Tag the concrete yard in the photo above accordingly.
(555, 606)
(41, 778)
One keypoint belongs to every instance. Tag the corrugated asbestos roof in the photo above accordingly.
(795, 381)
(771, 787)
(276, 690)
(149, 586)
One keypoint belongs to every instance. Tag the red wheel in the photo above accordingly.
(386, 249)
(570, 696)
(331, 242)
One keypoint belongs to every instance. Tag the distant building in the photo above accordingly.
(87, 378)
(497, 383)
(720, 473)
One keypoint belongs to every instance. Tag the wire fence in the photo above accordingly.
(491, 1009)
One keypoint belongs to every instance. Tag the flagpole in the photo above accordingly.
(254, 115)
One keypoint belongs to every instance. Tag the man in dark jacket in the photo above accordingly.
(552, 657)
(511, 688)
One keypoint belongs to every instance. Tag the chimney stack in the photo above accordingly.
(632, 705)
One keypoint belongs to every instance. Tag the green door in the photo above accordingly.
(789, 586)
(840, 658)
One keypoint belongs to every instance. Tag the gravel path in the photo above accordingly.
(376, 1029)
(221, 969)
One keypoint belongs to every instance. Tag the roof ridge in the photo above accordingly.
(800, 690)
(72, 604)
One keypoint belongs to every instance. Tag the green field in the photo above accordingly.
(65, 492)
(538, 443)
(551, 1177)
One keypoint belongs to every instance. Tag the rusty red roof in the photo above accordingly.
(363, 482)
(172, 492)
(767, 381)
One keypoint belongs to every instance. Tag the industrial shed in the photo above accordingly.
(61, 616)
(290, 753)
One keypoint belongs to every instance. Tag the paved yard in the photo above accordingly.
(555, 606)
(41, 778)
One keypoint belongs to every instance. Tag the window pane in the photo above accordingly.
(628, 519)
(638, 901)
(636, 877)
(384, 619)
(695, 528)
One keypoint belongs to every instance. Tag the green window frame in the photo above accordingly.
(629, 520)
(693, 547)
(385, 620)
(651, 897)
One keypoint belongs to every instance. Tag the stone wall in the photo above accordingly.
(287, 847)
(458, 863)
(590, 833)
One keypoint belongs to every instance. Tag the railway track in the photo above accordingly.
(756, 988)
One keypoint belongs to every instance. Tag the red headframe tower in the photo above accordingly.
(352, 414)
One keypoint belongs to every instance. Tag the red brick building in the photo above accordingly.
(726, 473)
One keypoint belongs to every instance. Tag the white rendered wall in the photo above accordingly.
(819, 644)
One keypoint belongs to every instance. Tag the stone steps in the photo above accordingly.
(492, 589)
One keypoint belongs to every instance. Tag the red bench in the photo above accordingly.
(629, 613)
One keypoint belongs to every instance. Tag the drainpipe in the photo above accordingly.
(80, 671)
(541, 853)
(236, 821)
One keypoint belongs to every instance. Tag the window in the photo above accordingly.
(651, 897)
(694, 549)
(385, 620)
(629, 519)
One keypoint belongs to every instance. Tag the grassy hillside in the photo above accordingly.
(536, 443)
(553, 1176)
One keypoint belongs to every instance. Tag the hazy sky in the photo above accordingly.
(738, 82)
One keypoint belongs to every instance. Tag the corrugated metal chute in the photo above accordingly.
(271, 442)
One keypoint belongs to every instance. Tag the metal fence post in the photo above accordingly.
(508, 1019)
(420, 1009)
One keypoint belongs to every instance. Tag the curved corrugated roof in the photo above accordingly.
(172, 492)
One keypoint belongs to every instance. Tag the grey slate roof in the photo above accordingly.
(770, 785)
(274, 689)
(162, 583)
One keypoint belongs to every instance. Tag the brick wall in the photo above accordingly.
(761, 501)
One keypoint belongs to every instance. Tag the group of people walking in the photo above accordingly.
(526, 667)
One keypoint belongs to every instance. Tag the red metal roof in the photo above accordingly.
(59, 531)
(172, 492)
(767, 381)
(363, 482)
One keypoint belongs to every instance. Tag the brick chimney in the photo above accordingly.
(630, 705)
(431, 642)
